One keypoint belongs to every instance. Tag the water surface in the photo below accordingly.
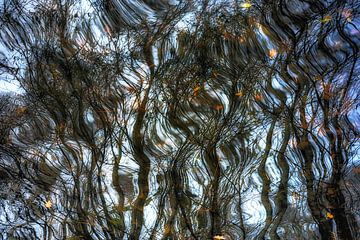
(179, 119)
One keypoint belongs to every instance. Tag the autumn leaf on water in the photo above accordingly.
(239, 94)
(167, 229)
(272, 53)
(318, 78)
(329, 215)
(219, 237)
(48, 204)
(326, 19)
(227, 35)
(258, 97)
(241, 39)
(196, 90)
(21, 110)
(246, 5)
(218, 107)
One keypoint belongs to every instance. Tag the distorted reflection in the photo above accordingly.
(143, 119)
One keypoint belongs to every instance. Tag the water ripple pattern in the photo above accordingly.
(179, 119)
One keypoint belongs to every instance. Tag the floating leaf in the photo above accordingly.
(326, 19)
(167, 229)
(246, 5)
(21, 110)
(48, 204)
(318, 78)
(196, 90)
(241, 39)
(258, 97)
(218, 107)
(227, 35)
(219, 237)
(329, 215)
(272, 53)
(239, 94)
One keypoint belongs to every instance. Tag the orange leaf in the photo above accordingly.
(239, 94)
(272, 53)
(21, 110)
(227, 35)
(218, 107)
(241, 39)
(196, 90)
(258, 97)
(329, 215)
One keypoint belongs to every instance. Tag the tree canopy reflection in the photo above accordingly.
(179, 119)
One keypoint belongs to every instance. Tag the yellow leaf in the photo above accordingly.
(196, 90)
(48, 204)
(318, 78)
(329, 215)
(246, 5)
(167, 229)
(219, 237)
(21, 110)
(326, 19)
(241, 39)
(272, 53)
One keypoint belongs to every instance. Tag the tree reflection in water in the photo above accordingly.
(180, 119)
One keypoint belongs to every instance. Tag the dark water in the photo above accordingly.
(162, 119)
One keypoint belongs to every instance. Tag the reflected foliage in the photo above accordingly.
(180, 119)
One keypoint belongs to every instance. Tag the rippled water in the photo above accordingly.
(144, 119)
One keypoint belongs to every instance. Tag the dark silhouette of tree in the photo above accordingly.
(179, 119)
